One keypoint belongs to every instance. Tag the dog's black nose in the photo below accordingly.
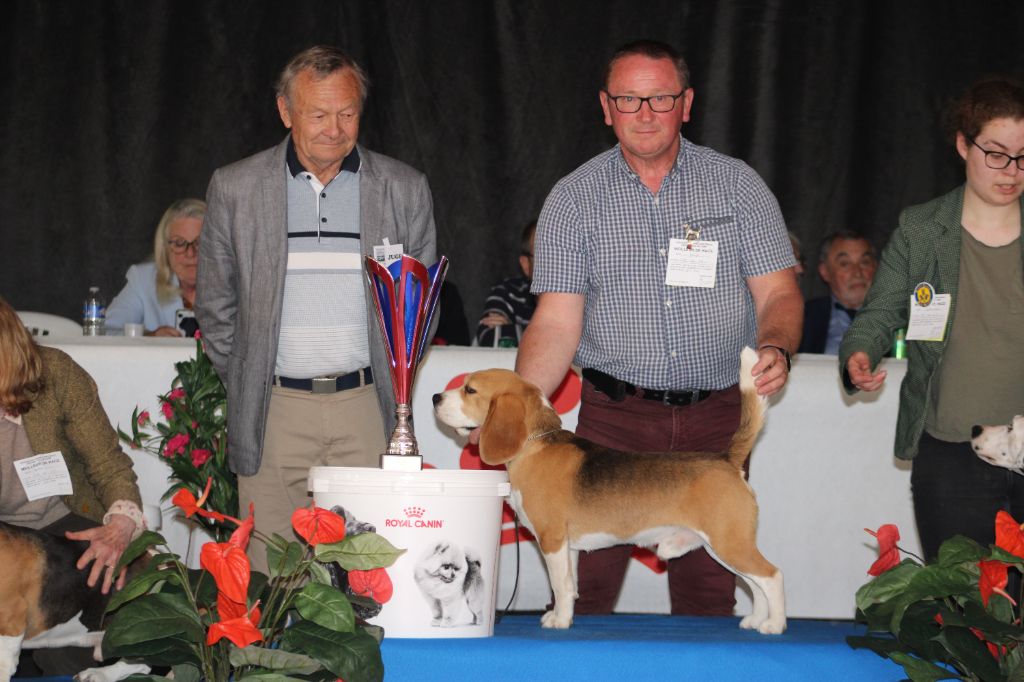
(436, 398)
(975, 430)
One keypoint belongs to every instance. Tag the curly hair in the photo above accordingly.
(984, 101)
(21, 367)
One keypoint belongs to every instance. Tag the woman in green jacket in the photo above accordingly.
(52, 422)
(956, 261)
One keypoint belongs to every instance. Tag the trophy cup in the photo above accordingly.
(405, 296)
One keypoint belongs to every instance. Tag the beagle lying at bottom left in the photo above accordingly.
(46, 603)
(575, 495)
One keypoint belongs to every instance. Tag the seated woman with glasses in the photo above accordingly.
(952, 275)
(160, 287)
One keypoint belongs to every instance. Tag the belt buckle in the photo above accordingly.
(324, 385)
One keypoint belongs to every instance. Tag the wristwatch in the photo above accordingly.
(785, 354)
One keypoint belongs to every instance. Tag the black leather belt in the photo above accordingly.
(617, 390)
(360, 377)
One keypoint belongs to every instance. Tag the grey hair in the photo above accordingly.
(166, 290)
(322, 60)
(652, 49)
(849, 235)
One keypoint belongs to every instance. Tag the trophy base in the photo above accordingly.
(401, 462)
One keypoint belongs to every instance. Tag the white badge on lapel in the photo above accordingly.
(691, 262)
(387, 253)
(44, 476)
(928, 314)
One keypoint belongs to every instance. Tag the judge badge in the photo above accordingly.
(928, 314)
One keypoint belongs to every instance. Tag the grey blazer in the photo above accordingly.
(242, 264)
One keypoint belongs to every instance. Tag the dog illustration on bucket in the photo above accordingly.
(451, 580)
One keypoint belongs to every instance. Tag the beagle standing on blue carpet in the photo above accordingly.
(575, 495)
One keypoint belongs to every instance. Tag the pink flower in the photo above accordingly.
(176, 445)
(176, 394)
(143, 418)
(167, 410)
(197, 335)
(199, 457)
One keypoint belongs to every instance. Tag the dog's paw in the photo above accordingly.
(552, 620)
(750, 622)
(767, 626)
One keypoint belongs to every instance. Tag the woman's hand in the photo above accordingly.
(106, 544)
(859, 369)
(165, 331)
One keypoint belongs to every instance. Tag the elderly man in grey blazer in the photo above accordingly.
(281, 297)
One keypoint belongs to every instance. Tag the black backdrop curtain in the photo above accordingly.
(112, 110)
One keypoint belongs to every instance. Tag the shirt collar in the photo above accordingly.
(14, 419)
(350, 163)
(677, 165)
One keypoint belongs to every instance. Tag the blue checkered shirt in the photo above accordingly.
(603, 234)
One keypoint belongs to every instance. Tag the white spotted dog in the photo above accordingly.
(576, 495)
(46, 603)
(1001, 446)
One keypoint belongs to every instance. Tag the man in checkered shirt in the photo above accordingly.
(656, 262)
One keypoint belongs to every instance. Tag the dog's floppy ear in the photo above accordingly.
(504, 431)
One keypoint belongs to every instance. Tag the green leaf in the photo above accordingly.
(138, 547)
(282, 563)
(971, 652)
(919, 670)
(326, 606)
(270, 677)
(354, 657)
(151, 625)
(319, 573)
(140, 585)
(959, 550)
(186, 673)
(890, 584)
(360, 552)
(281, 662)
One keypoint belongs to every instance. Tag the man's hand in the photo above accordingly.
(165, 331)
(106, 544)
(770, 371)
(859, 369)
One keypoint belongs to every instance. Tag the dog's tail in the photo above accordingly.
(752, 409)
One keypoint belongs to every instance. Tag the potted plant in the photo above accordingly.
(192, 437)
(224, 622)
(951, 618)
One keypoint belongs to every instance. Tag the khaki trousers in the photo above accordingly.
(306, 430)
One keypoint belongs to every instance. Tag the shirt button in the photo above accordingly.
(668, 304)
(673, 353)
(324, 195)
(661, 251)
(323, 220)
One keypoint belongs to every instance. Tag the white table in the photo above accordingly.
(822, 469)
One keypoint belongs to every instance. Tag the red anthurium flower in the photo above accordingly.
(229, 567)
(992, 648)
(242, 631)
(240, 538)
(888, 553)
(228, 609)
(993, 579)
(1009, 535)
(316, 525)
(374, 584)
(187, 502)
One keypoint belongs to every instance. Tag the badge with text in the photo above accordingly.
(928, 314)
(691, 263)
(44, 476)
(387, 253)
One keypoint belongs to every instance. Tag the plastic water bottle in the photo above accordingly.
(94, 313)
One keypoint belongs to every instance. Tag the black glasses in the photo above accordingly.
(659, 104)
(180, 246)
(999, 160)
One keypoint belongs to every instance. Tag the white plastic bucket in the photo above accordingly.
(449, 521)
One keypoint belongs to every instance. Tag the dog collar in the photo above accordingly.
(541, 435)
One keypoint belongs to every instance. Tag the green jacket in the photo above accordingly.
(67, 416)
(924, 248)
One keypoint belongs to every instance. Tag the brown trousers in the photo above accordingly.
(698, 585)
(306, 430)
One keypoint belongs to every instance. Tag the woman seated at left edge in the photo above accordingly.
(49, 406)
(160, 292)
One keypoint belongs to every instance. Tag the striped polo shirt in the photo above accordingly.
(323, 318)
(603, 234)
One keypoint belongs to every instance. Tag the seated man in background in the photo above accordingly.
(846, 262)
(509, 305)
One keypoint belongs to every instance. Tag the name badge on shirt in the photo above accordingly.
(691, 263)
(44, 476)
(928, 314)
(387, 253)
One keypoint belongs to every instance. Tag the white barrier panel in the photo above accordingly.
(822, 469)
